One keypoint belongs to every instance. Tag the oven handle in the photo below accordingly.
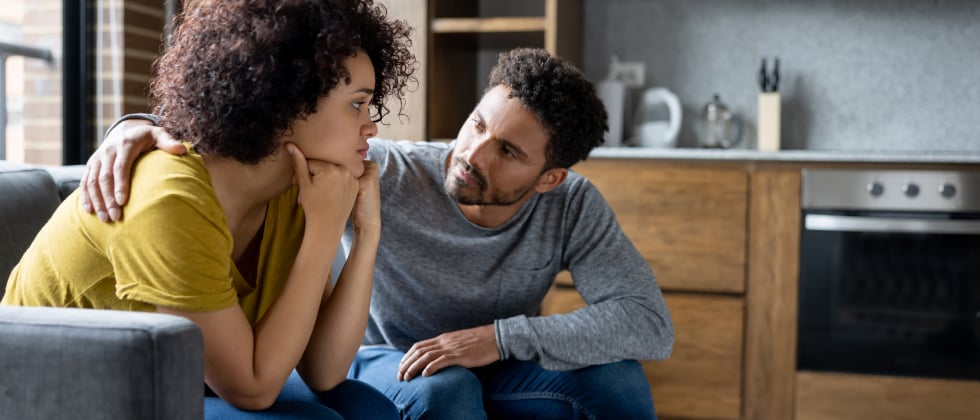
(833, 223)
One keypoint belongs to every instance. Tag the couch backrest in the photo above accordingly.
(28, 197)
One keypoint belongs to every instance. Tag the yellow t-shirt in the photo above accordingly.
(172, 249)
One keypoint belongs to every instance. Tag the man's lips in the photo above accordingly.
(363, 151)
(468, 178)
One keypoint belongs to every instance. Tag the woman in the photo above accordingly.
(274, 100)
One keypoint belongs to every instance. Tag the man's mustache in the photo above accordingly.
(472, 171)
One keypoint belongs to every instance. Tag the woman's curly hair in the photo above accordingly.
(561, 98)
(238, 73)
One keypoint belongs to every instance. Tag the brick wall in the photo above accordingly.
(128, 39)
(11, 17)
(42, 84)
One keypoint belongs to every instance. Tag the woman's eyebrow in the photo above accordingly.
(369, 91)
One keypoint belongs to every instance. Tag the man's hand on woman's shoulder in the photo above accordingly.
(105, 184)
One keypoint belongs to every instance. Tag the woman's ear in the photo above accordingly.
(551, 179)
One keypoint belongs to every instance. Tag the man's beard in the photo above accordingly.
(454, 186)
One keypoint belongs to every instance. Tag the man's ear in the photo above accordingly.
(551, 179)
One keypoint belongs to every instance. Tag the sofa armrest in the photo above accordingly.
(99, 364)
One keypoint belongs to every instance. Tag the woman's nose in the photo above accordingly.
(370, 129)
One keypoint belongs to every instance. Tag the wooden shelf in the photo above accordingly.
(488, 25)
(456, 42)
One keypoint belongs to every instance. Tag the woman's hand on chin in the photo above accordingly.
(327, 191)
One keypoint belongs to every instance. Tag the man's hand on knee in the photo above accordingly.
(468, 348)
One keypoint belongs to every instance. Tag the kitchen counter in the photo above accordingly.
(844, 156)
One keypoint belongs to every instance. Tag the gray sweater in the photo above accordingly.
(438, 272)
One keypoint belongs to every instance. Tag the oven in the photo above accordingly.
(890, 273)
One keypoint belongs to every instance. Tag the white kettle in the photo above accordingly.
(658, 119)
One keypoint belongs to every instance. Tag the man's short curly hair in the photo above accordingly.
(238, 73)
(561, 98)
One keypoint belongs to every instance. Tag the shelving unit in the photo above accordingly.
(459, 41)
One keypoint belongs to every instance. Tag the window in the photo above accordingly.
(102, 53)
(32, 85)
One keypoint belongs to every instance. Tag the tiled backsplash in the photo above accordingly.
(856, 74)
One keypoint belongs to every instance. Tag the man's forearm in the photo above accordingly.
(152, 119)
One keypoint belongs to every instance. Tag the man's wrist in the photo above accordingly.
(153, 119)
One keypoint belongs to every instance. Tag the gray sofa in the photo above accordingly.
(80, 363)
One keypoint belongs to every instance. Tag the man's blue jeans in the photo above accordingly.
(510, 389)
(351, 400)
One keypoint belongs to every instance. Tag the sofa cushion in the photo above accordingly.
(28, 197)
(66, 178)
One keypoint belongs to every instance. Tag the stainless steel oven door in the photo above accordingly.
(890, 295)
(889, 291)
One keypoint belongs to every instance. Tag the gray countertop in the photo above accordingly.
(847, 156)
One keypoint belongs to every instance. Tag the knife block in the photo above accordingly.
(769, 116)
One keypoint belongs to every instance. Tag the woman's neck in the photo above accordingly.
(244, 190)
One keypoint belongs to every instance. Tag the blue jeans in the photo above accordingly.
(510, 389)
(351, 399)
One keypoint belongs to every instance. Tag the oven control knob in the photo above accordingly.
(947, 190)
(876, 189)
(910, 189)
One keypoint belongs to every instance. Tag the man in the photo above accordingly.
(473, 235)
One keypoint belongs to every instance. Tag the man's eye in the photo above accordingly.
(509, 152)
(357, 105)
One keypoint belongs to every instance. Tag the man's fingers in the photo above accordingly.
(87, 195)
(122, 165)
(94, 193)
(419, 358)
(165, 141)
(413, 353)
(436, 365)
(406, 361)
(121, 169)
(108, 199)
(413, 369)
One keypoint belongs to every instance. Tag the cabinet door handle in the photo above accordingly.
(833, 223)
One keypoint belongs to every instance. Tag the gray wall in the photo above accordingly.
(899, 75)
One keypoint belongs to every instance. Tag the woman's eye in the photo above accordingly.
(358, 105)
(478, 125)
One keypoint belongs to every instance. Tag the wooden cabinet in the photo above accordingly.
(457, 44)
(703, 376)
(723, 240)
(854, 397)
(772, 293)
(690, 222)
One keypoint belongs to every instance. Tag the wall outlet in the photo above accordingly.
(632, 74)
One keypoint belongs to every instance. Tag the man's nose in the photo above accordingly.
(480, 152)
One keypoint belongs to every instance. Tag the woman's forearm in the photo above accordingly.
(342, 319)
(283, 333)
(247, 366)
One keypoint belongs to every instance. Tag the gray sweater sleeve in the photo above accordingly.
(626, 316)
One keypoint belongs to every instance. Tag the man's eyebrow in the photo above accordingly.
(517, 149)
